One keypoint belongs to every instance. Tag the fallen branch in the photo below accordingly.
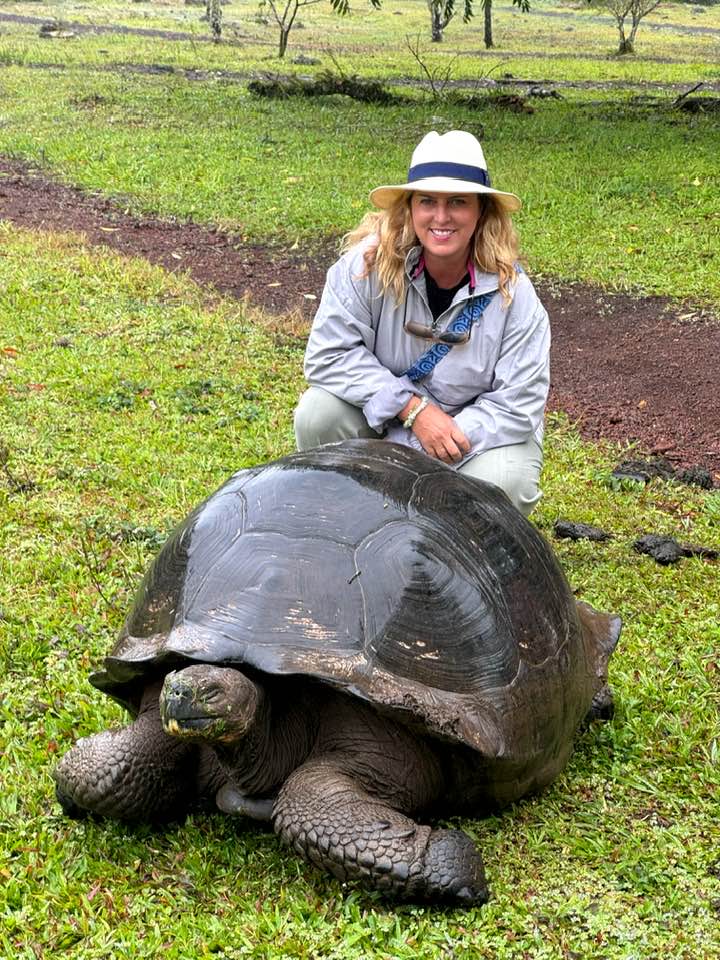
(687, 93)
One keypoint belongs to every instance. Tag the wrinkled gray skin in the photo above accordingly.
(348, 642)
(340, 783)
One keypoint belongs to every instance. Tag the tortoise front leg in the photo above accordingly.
(333, 822)
(137, 773)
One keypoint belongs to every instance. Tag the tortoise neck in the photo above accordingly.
(280, 738)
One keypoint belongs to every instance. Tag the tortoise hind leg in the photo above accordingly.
(332, 821)
(137, 773)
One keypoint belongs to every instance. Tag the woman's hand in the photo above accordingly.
(439, 435)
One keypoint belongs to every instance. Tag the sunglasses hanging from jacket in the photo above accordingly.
(444, 340)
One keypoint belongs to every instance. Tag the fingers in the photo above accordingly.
(445, 449)
(451, 452)
(461, 441)
(440, 436)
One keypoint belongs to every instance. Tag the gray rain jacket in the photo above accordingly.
(495, 385)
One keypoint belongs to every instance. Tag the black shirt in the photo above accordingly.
(439, 299)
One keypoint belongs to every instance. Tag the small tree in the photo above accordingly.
(437, 77)
(635, 10)
(285, 12)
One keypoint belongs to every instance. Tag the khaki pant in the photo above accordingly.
(321, 417)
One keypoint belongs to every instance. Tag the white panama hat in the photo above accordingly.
(451, 162)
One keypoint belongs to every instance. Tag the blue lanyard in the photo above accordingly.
(426, 363)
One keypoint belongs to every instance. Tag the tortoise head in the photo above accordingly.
(213, 704)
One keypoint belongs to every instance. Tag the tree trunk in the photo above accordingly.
(436, 23)
(214, 15)
(284, 34)
(625, 45)
(286, 24)
(633, 32)
(488, 37)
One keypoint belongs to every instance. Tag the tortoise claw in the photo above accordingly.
(230, 800)
(69, 807)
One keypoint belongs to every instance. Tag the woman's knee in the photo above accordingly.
(522, 489)
(515, 469)
(321, 417)
(524, 492)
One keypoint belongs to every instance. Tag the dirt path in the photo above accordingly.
(626, 368)
(649, 88)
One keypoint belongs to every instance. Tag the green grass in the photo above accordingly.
(127, 398)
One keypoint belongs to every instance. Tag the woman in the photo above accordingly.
(428, 332)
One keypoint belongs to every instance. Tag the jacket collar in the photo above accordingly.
(415, 264)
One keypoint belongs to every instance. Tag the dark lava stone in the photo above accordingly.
(567, 530)
(698, 476)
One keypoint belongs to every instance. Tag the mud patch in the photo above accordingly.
(113, 28)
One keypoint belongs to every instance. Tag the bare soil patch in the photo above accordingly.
(98, 28)
(628, 369)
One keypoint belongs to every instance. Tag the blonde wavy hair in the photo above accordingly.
(494, 250)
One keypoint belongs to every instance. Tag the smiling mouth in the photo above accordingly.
(441, 234)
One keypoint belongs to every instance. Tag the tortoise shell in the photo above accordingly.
(380, 571)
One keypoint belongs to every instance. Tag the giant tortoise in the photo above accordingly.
(350, 642)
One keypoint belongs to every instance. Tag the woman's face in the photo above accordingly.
(444, 223)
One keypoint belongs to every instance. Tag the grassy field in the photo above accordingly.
(569, 30)
(128, 394)
(126, 400)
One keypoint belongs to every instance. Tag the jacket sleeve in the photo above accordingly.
(512, 410)
(339, 355)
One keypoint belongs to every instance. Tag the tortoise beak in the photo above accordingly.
(181, 711)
